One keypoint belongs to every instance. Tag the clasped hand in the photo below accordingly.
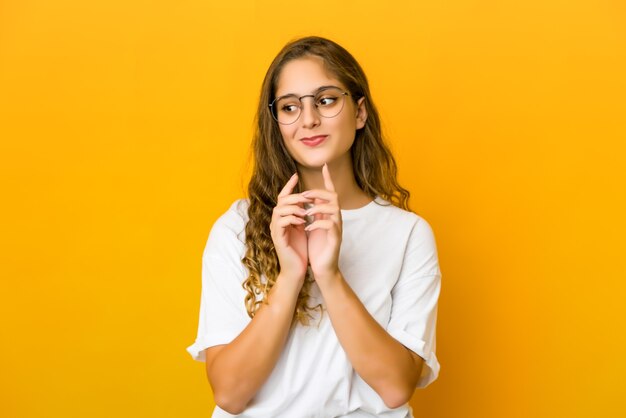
(317, 244)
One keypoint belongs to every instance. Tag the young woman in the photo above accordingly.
(319, 292)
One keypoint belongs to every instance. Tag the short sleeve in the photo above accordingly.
(222, 310)
(415, 298)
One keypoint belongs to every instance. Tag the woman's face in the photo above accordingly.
(304, 76)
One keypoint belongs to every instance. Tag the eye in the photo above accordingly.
(288, 104)
(288, 108)
(326, 100)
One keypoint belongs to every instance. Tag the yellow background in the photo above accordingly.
(124, 134)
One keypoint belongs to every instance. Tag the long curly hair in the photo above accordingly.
(374, 167)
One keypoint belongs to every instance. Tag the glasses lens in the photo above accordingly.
(329, 102)
(286, 109)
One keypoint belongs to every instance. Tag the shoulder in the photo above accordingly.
(416, 239)
(396, 215)
(400, 221)
(235, 218)
(229, 229)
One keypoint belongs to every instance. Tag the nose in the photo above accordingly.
(309, 117)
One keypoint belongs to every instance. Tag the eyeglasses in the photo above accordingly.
(328, 103)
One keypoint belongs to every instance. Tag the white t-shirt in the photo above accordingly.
(389, 258)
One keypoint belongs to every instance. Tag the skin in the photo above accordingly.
(237, 370)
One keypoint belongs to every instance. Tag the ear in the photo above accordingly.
(361, 113)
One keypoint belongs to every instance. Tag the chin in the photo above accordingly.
(312, 162)
(311, 165)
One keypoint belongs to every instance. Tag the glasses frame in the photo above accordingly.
(320, 90)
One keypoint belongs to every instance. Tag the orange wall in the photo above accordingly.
(124, 129)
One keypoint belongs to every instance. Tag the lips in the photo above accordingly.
(314, 140)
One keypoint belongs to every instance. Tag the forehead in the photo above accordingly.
(303, 76)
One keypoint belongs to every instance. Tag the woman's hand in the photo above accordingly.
(287, 231)
(324, 233)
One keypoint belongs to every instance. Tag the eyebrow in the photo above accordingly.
(317, 90)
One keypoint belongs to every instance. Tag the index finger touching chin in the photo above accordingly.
(328, 182)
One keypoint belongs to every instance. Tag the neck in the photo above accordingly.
(349, 193)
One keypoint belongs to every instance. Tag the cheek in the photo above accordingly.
(347, 125)
(286, 131)
(286, 134)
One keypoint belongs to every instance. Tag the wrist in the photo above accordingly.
(289, 282)
(328, 278)
(284, 295)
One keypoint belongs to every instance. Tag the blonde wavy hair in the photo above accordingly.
(375, 169)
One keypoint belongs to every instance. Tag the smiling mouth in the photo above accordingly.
(314, 140)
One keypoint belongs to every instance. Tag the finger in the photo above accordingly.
(321, 194)
(293, 199)
(285, 210)
(285, 221)
(325, 208)
(291, 183)
(328, 182)
(325, 224)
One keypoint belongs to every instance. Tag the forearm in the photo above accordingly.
(383, 362)
(241, 367)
